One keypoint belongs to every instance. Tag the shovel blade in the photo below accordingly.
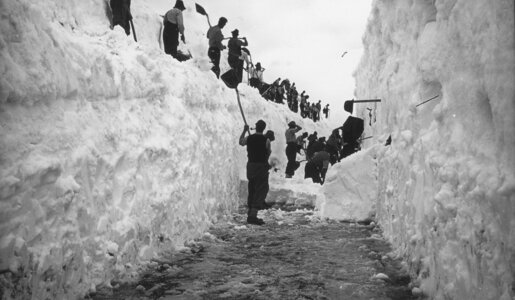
(230, 78)
(348, 106)
(200, 9)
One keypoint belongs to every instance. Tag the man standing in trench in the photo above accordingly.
(258, 152)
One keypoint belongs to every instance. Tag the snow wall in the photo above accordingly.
(446, 190)
(350, 188)
(110, 150)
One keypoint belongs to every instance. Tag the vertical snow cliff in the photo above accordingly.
(446, 197)
(110, 150)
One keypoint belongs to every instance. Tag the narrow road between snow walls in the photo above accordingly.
(295, 255)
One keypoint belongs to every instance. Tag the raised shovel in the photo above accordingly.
(349, 104)
(203, 12)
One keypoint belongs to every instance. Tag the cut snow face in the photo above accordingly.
(350, 189)
(446, 185)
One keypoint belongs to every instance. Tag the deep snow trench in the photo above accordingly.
(111, 152)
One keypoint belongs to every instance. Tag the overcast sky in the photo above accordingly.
(302, 40)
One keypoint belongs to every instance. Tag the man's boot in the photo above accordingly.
(253, 219)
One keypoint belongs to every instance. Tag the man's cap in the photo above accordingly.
(222, 19)
(180, 5)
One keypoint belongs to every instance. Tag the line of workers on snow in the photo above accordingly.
(239, 58)
(319, 152)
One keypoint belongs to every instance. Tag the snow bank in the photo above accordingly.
(350, 189)
(447, 183)
(110, 151)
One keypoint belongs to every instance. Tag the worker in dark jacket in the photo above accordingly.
(215, 36)
(258, 152)
(235, 59)
(316, 167)
(291, 148)
(326, 111)
(121, 10)
(312, 139)
(173, 26)
(352, 130)
(333, 145)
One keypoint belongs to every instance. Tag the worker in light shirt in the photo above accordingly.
(256, 75)
(215, 36)
(173, 25)
(291, 148)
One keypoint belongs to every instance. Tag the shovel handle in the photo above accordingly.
(366, 101)
(427, 100)
(241, 109)
(133, 31)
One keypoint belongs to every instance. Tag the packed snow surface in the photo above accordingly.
(446, 185)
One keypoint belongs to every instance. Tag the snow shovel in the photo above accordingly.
(266, 91)
(365, 138)
(241, 109)
(349, 104)
(203, 12)
(427, 100)
(133, 31)
(230, 78)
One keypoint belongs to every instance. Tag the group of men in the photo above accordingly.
(237, 54)
(319, 155)
(319, 151)
(238, 58)
(279, 91)
(173, 25)
(316, 153)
